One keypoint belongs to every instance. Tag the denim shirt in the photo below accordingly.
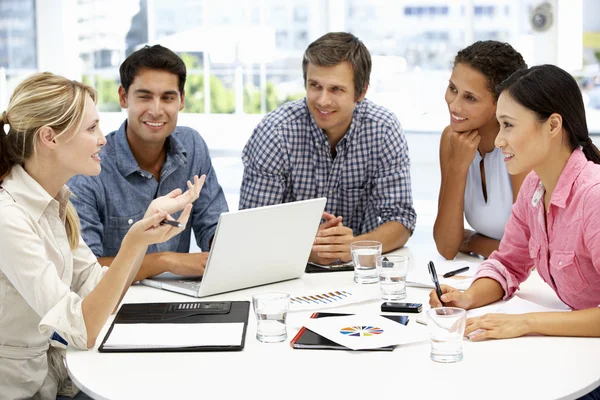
(108, 204)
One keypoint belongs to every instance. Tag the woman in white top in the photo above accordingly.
(475, 183)
(50, 282)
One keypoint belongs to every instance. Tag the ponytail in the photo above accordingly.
(5, 162)
(72, 226)
(591, 151)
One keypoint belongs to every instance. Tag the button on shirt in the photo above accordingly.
(288, 158)
(567, 253)
(42, 284)
(108, 204)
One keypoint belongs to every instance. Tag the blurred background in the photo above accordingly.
(244, 58)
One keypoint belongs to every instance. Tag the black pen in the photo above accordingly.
(434, 278)
(172, 223)
(455, 272)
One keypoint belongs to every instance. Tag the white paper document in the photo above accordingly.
(363, 331)
(460, 281)
(516, 305)
(329, 299)
(131, 336)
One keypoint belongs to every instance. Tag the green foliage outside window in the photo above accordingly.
(222, 98)
(108, 92)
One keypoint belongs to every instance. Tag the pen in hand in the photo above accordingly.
(172, 223)
(434, 278)
(455, 272)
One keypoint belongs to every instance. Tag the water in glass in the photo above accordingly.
(271, 326)
(446, 329)
(365, 270)
(446, 347)
(392, 287)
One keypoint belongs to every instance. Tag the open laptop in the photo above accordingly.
(253, 247)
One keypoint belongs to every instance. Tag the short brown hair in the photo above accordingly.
(152, 57)
(335, 47)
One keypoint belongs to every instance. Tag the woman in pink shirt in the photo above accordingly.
(554, 225)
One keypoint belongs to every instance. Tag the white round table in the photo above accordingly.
(531, 367)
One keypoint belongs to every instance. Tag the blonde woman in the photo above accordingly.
(50, 282)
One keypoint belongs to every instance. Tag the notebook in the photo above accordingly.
(253, 247)
(168, 327)
(307, 339)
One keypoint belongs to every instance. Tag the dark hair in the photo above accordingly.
(547, 89)
(152, 57)
(495, 60)
(335, 47)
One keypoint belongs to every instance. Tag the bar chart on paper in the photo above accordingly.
(330, 299)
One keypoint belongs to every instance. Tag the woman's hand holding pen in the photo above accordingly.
(451, 297)
(176, 200)
(150, 230)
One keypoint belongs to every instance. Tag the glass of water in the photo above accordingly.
(364, 256)
(392, 271)
(271, 311)
(446, 329)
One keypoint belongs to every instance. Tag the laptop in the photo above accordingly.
(253, 247)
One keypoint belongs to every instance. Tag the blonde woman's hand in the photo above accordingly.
(149, 231)
(176, 200)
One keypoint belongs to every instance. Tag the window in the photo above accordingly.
(18, 35)
(300, 14)
(484, 11)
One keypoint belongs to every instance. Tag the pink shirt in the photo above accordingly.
(567, 256)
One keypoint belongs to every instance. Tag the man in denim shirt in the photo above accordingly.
(147, 157)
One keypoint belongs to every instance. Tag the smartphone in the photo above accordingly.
(402, 307)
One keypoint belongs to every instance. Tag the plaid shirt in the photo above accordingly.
(288, 158)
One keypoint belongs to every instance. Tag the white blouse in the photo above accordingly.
(488, 217)
(42, 284)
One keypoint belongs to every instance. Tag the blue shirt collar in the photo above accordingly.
(126, 162)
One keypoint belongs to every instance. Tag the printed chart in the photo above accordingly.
(326, 299)
(361, 331)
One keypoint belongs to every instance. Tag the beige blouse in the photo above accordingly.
(42, 284)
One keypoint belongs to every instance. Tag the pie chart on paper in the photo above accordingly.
(359, 330)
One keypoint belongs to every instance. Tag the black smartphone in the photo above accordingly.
(402, 307)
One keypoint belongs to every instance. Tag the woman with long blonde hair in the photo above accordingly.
(51, 285)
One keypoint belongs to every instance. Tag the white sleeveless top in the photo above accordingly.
(488, 218)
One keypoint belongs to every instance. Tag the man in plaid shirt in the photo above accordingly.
(336, 144)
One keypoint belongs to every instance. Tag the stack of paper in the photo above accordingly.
(358, 332)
